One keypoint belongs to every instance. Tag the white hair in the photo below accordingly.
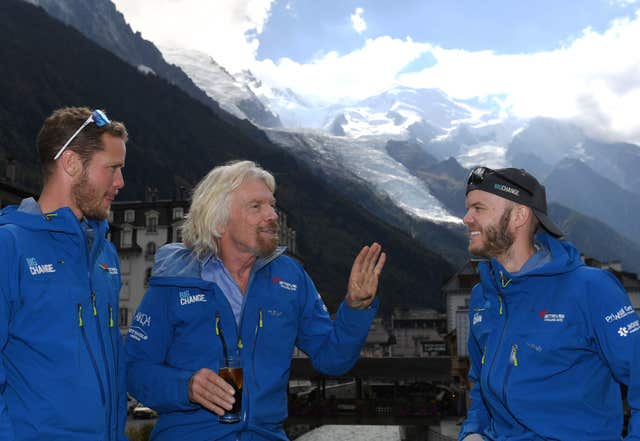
(209, 212)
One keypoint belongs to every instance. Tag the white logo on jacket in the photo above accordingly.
(288, 286)
(143, 319)
(186, 298)
(554, 318)
(36, 269)
(619, 314)
(137, 333)
(632, 327)
(111, 270)
(477, 318)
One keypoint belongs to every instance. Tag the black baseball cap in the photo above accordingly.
(516, 185)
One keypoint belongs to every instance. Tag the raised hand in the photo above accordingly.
(363, 281)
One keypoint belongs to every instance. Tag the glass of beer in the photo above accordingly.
(232, 374)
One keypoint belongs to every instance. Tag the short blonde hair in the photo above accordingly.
(209, 211)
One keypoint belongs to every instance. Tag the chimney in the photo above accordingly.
(151, 194)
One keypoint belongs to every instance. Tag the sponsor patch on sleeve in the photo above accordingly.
(137, 333)
(631, 328)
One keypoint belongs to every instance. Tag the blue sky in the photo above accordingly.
(300, 30)
(560, 59)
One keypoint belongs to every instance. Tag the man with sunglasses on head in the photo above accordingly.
(61, 362)
(550, 338)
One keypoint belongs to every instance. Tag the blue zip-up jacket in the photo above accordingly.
(62, 360)
(174, 335)
(548, 350)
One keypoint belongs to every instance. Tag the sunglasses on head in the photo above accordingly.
(97, 116)
(478, 175)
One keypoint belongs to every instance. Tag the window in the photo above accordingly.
(151, 220)
(129, 216)
(178, 213)
(152, 224)
(124, 289)
(151, 251)
(126, 238)
(123, 317)
(125, 266)
(178, 234)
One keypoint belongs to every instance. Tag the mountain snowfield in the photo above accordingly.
(233, 95)
(368, 160)
(349, 140)
(210, 77)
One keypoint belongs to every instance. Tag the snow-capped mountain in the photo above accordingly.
(294, 111)
(401, 111)
(544, 142)
(472, 133)
(369, 161)
(477, 143)
(433, 105)
(351, 141)
(233, 95)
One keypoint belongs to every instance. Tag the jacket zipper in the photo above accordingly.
(513, 362)
(253, 348)
(116, 363)
(114, 346)
(111, 326)
(504, 327)
(514, 348)
(96, 247)
(245, 391)
(240, 345)
(91, 356)
(104, 357)
(221, 337)
(95, 251)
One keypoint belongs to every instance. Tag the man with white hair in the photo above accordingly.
(550, 338)
(229, 290)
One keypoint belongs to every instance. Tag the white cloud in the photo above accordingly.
(359, 25)
(623, 2)
(595, 79)
(334, 77)
(226, 29)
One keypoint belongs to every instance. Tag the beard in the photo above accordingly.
(87, 199)
(498, 239)
(265, 246)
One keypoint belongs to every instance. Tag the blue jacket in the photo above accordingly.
(62, 364)
(173, 335)
(548, 349)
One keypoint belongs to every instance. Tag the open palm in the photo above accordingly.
(365, 272)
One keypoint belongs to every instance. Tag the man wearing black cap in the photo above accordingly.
(550, 338)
